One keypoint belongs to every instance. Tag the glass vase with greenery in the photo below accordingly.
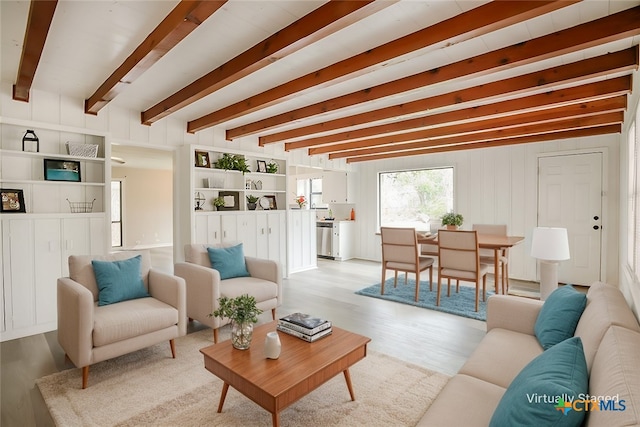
(243, 313)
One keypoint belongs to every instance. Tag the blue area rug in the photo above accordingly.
(460, 304)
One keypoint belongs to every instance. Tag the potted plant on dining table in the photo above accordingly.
(452, 220)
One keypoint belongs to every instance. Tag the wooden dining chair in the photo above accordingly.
(400, 252)
(459, 258)
(487, 256)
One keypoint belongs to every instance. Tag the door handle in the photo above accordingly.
(596, 217)
(595, 227)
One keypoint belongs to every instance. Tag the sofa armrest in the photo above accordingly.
(513, 313)
(170, 290)
(266, 269)
(203, 291)
(75, 321)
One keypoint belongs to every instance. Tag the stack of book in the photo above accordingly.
(304, 326)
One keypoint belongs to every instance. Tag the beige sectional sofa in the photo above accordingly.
(610, 336)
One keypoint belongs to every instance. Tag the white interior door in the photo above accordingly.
(570, 196)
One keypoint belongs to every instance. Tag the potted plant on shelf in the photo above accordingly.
(272, 167)
(243, 313)
(452, 220)
(301, 201)
(251, 202)
(218, 202)
(232, 162)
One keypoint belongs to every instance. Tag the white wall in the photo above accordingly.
(147, 206)
(495, 185)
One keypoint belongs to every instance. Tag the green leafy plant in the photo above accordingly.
(240, 309)
(252, 199)
(232, 162)
(272, 167)
(452, 218)
(218, 202)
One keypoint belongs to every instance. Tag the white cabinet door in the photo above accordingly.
(334, 187)
(262, 235)
(47, 259)
(229, 228)
(76, 240)
(19, 274)
(246, 226)
(277, 237)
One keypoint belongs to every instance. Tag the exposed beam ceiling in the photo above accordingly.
(322, 22)
(38, 24)
(346, 80)
(478, 21)
(178, 24)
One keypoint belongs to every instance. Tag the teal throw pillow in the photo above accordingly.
(119, 280)
(228, 261)
(559, 316)
(545, 392)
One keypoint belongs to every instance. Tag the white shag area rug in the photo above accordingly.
(149, 388)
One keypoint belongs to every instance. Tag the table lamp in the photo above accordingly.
(549, 245)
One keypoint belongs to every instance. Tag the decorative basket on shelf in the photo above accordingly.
(81, 207)
(82, 150)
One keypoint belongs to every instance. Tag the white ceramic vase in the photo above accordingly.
(272, 345)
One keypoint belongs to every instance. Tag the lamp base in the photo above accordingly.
(548, 278)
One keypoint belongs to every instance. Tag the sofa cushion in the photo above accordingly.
(228, 261)
(559, 316)
(606, 306)
(81, 270)
(538, 390)
(464, 401)
(133, 318)
(262, 290)
(119, 280)
(495, 361)
(614, 374)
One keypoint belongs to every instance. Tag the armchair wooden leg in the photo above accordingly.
(172, 344)
(85, 376)
(215, 336)
(273, 314)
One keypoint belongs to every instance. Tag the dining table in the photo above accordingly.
(495, 242)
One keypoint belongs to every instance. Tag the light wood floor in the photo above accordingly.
(434, 340)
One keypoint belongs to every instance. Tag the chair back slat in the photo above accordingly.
(458, 250)
(399, 244)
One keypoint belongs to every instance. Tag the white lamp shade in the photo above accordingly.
(550, 244)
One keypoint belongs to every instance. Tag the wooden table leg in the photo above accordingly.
(276, 419)
(496, 272)
(223, 396)
(347, 378)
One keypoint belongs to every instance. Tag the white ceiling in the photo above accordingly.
(89, 39)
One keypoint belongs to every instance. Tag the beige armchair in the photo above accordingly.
(204, 286)
(89, 333)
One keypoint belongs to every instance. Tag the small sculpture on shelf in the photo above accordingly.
(28, 141)
(199, 199)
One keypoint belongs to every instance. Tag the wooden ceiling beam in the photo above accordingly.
(488, 135)
(566, 134)
(177, 25)
(608, 64)
(473, 23)
(518, 121)
(611, 28)
(587, 92)
(38, 24)
(322, 22)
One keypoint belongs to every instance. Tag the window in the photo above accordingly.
(311, 189)
(116, 213)
(415, 198)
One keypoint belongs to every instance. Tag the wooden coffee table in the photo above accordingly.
(302, 367)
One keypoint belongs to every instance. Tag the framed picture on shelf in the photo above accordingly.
(262, 166)
(62, 170)
(12, 201)
(272, 202)
(231, 200)
(202, 159)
